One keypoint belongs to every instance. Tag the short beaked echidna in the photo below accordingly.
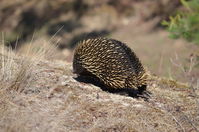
(110, 61)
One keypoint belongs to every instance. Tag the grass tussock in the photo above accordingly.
(16, 69)
(13, 74)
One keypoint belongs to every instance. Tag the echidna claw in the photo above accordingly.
(145, 94)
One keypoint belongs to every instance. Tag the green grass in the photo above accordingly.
(185, 24)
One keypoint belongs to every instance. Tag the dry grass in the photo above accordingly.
(41, 95)
(16, 69)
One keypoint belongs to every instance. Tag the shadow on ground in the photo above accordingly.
(134, 93)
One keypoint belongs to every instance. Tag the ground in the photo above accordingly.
(45, 96)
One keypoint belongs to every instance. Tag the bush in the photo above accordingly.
(186, 22)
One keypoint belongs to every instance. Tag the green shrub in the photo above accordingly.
(186, 22)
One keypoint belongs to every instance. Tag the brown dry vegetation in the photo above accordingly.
(41, 95)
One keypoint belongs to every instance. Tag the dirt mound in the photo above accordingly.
(48, 98)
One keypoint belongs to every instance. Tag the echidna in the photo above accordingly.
(111, 61)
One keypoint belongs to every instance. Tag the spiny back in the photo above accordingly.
(111, 61)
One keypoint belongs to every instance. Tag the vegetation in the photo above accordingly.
(185, 23)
